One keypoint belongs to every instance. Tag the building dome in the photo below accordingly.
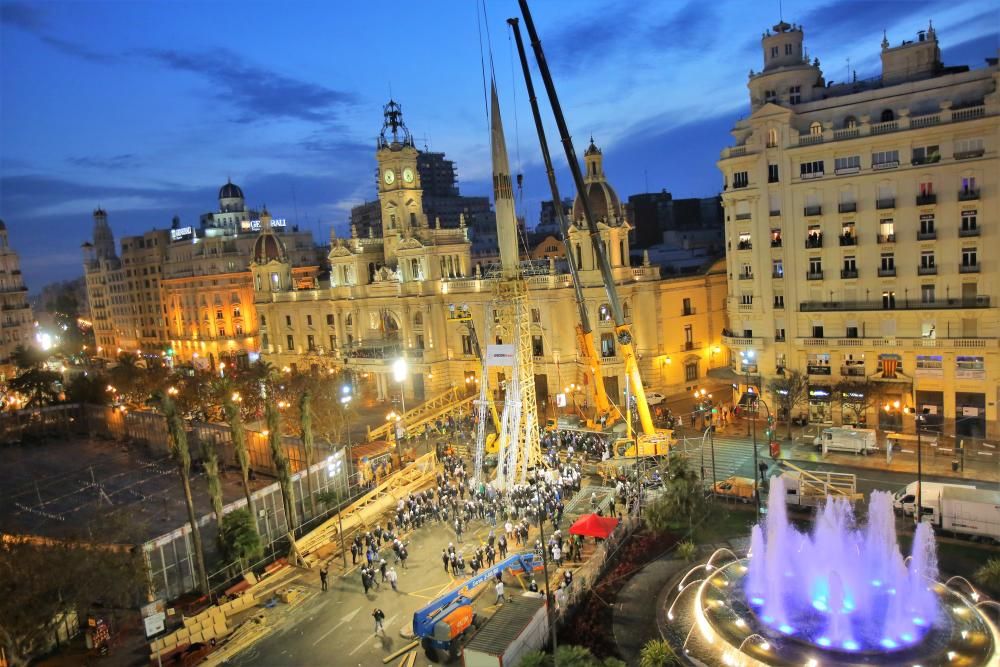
(603, 200)
(230, 191)
(3, 227)
(268, 247)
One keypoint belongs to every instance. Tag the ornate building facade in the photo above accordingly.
(16, 319)
(394, 295)
(860, 219)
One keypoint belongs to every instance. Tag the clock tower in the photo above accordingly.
(399, 190)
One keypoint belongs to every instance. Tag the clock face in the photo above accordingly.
(390, 177)
(408, 175)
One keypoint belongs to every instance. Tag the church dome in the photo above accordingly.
(230, 191)
(603, 200)
(3, 227)
(268, 247)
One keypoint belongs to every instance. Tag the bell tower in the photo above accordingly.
(399, 189)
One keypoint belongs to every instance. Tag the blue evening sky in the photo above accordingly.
(146, 107)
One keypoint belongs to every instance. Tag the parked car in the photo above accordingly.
(654, 398)
(739, 488)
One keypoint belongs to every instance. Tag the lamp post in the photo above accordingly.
(345, 400)
(747, 357)
(399, 372)
(549, 599)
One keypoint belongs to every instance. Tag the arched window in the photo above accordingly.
(816, 128)
(418, 319)
(579, 257)
(604, 313)
(626, 310)
(772, 137)
(850, 123)
(349, 321)
(887, 115)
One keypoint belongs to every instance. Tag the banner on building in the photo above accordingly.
(499, 355)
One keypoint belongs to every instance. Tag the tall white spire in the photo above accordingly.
(503, 193)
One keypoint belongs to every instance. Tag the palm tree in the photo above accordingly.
(305, 421)
(658, 653)
(211, 463)
(38, 385)
(179, 447)
(239, 436)
(281, 464)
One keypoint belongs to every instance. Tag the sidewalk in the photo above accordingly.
(633, 625)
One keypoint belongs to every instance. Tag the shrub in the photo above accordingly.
(658, 653)
(687, 551)
(988, 576)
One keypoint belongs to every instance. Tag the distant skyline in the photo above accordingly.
(146, 108)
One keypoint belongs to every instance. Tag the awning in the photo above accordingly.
(591, 525)
(748, 399)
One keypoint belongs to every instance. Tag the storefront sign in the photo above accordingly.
(181, 233)
(970, 412)
(819, 394)
(254, 225)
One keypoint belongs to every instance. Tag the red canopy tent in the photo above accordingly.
(591, 525)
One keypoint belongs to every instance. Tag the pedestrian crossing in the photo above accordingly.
(733, 456)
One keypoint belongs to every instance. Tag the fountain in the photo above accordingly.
(840, 594)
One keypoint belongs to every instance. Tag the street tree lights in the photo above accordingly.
(400, 369)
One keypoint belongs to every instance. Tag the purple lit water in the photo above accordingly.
(842, 587)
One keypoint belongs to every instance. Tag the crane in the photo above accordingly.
(463, 316)
(623, 330)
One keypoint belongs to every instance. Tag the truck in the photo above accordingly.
(808, 488)
(847, 439)
(645, 446)
(965, 511)
(518, 627)
(737, 488)
(443, 625)
(905, 500)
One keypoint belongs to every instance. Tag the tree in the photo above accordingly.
(682, 498)
(857, 397)
(37, 385)
(181, 454)
(658, 653)
(239, 436)
(305, 422)
(240, 539)
(988, 575)
(26, 357)
(42, 579)
(90, 388)
(789, 391)
(281, 464)
(211, 462)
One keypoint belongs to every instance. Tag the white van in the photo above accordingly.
(905, 500)
(847, 439)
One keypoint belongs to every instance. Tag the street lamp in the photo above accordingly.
(345, 400)
(747, 358)
(399, 372)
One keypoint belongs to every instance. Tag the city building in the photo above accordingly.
(185, 291)
(16, 319)
(657, 218)
(548, 223)
(860, 218)
(395, 294)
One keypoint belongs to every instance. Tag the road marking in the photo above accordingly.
(345, 619)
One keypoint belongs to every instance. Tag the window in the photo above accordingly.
(536, 316)
(812, 169)
(779, 336)
(275, 282)
(333, 342)
(849, 164)
(288, 320)
(815, 128)
(746, 299)
(929, 363)
(291, 343)
(775, 238)
(772, 173)
(770, 95)
(329, 319)
(537, 348)
(779, 300)
(607, 345)
(310, 342)
(926, 259)
(263, 341)
(772, 137)
(888, 299)
(966, 148)
(850, 123)
(850, 264)
(851, 331)
(969, 257)
(969, 220)
(817, 331)
(236, 312)
(886, 231)
(688, 337)
(222, 332)
(927, 294)
(774, 51)
(467, 345)
(926, 155)
(795, 94)
(744, 242)
(309, 320)
(815, 265)
(777, 268)
(888, 261)
(686, 307)
(691, 371)
(218, 314)
(885, 159)
(927, 223)
(741, 179)
(788, 49)
(238, 329)
(887, 116)
(604, 313)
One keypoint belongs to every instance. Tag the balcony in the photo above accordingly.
(746, 276)
(968, 268)
(814, 275)
(848, 273)
(848, 239)
(927, 236)
(891, 164)
(774, 214)
(810, 139)
(969, 231)
(812, 210)
(886, 238)
(744, 245)
(968, 194)
(814, 241)
(779, 305)
(926, 200)
(776, 243)
(887, 202)
(847, 207)
(965, 155)
(883, 128)
(777, 274)
(982, 301)
(889, 272)
(927, 270)
(853, 371)
(743, 342)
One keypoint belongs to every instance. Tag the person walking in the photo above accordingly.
(499, 589)
(324, 571)
(354, 553)
(379, 617)
(364, 579)
(393, 578)
(382, 570)
(446, 560)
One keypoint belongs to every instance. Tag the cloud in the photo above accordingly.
(112, 162)
(256, 92)
(31, 19)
